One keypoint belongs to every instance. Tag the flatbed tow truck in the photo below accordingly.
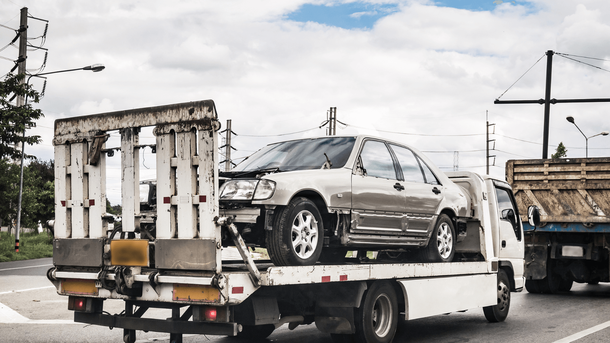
(178, 266)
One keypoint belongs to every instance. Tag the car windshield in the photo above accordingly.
(300, 154)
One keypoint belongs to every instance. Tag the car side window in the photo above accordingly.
(408, 163)
(377, 161)
(507, 210)
(430, 177)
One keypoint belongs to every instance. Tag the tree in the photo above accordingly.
(38, 198)
(15, 119)
(560, 152)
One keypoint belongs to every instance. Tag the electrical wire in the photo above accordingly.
(281, 134)
(421, 134)
(6, 27)
(587, 64)
(590, 58)
(527, 71)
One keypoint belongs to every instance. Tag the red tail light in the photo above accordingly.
(210, 314)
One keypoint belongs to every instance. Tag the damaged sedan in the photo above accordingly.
(310, 200)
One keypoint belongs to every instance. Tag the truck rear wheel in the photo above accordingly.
(441, 247)
(376, 319)
(533, 286)
(499, 312)
(297, 236)
(255, 332)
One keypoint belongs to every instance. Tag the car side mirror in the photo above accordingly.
(533, 216)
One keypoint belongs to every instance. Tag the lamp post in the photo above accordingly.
(603, 133)
(94, 68)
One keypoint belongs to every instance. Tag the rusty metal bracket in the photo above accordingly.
(242, 248)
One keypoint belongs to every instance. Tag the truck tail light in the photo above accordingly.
(210, 314)
(82, 304)
(203, 313)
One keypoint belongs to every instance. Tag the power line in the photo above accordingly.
(280, 134)
(587, 64)
(520, 77)
(421, 134)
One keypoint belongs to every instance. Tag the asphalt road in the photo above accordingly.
(31, 311)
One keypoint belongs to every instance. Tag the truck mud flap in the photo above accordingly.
(158, 325)
(535, 261)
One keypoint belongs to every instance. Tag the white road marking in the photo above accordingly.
(16, 268)
(10, 316)
(25, 290)
(584, 333)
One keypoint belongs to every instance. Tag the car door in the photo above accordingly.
(423, 193)
(378, 196)
(511, 232)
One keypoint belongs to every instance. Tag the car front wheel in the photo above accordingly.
(297, 235)
(441, 247)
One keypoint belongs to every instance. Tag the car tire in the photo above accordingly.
(441, 247)
(297, 235)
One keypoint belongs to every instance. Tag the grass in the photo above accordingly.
(31, 245)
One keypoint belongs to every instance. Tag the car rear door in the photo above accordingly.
(423, 192)
(378, 197)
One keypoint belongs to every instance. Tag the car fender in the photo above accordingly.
(332, 185)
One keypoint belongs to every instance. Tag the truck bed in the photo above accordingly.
(572, 194)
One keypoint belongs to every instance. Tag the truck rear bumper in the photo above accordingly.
(159, 325)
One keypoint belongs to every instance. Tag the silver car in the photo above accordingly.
(314, 199)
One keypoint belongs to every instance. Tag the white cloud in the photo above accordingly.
(422, 70)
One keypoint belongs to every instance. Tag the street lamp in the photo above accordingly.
(94, 68)
(603, 133)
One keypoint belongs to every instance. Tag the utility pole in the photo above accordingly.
(547, 101)
(228, 162)
(23, 43)
(487, 141)
(332, 122)
(456, 160)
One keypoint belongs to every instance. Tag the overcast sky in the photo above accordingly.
(424, 73)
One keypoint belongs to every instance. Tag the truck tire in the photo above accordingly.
(533, 286)
(565, 285)
(499, 312)
(255, 332)
(441, 247)
(297, 236)
(376, 319)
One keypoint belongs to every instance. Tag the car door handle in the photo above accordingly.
(399, 187)
(436, 190)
